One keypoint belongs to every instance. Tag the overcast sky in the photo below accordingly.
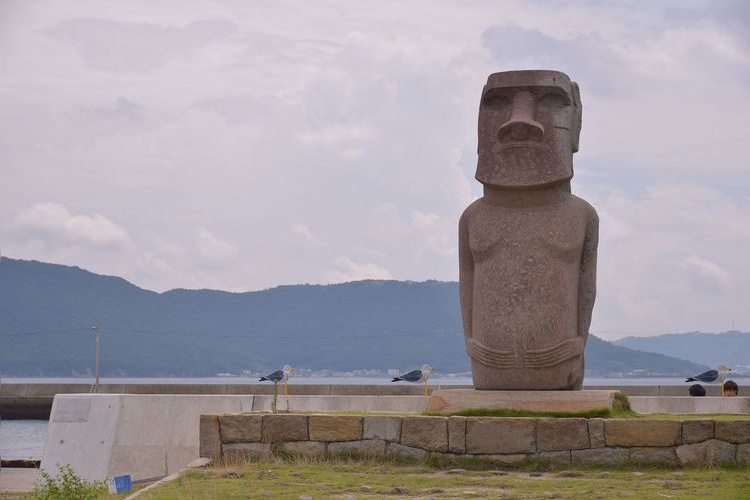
(241, 145)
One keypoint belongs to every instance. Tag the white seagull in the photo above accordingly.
(416, 376)
(712, 376)
(279, 376)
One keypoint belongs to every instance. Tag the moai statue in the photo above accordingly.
(527, 248)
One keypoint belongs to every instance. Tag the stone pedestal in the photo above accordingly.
(453, 400)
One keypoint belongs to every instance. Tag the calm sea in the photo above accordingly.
(21, 439)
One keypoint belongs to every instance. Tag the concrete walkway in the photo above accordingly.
(17, 480)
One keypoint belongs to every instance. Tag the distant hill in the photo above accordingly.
(47, 310)
(730, 348)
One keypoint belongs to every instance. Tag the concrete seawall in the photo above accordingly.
(34, 401)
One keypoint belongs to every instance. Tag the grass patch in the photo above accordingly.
(507, 412)
(620, 408)
(341, 477)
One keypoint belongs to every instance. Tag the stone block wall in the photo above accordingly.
(562, 440)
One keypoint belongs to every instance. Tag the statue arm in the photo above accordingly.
(465, 278)
(587, 281)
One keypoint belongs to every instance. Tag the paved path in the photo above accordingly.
(15, 480)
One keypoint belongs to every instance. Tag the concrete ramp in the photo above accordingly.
(146, 436)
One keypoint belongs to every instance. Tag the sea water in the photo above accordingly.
(22, 439)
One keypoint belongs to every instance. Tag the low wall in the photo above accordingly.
(31, 400)
(505, 440)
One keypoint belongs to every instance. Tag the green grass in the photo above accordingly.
(379, 478)
(620, 408)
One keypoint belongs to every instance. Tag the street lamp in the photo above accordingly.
(98, 330)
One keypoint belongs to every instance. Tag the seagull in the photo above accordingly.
(279, 376)
(711, 376)
(416, 376)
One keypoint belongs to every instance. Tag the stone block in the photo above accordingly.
(500, 435)
(365, 447)
(335, 427)
(654, 455)
(636, 432)
(695, 431)
(405, 451)
(237, 452)
(596, 432)
(429, 433)
(711, 452)
(382, 427)
(303, 447)
(743, 454)
(509, 459)
(209, 437)
(278, 428)
(556, 458)
(600, 456)
(557, 434)
(240, 428)
(733, 431)
(457, 434)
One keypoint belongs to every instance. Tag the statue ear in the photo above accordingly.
(575, 131)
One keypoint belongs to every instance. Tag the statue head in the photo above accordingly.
(529, 126)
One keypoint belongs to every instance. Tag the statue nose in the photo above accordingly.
(521, 126)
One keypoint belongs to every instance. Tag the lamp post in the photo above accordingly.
(98, 330)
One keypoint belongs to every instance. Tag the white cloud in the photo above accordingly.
(56, 224)
(706, 276)
(306, 235)
(345, 269)
(213, 248)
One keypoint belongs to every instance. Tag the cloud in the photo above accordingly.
(213, 248)
(345, 269)
(706, 276)
(123, 47)
(54, 223)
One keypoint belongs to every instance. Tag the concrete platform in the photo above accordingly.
(17, 480)
(705, 405)
(146, 436)
(454, 400)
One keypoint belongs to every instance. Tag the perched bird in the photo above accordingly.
(711, 375)
(279, 376)
(416, 376)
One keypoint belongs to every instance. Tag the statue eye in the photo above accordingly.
(553, 100)
(496, 102)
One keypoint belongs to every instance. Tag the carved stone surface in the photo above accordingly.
(507, 435)
(457, 434)
(527, 248)
(557, 434)
(382, 427)
(665, 455)
(733, 431)
(240, 428)
(335, 427)
(364, 446)
(596, 433)
(627, 432)
(711, 452)
(602, 456)
(430, 433)
(303, 447)
(694, 431)
(278, 428)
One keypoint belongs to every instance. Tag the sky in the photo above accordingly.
(241, 145)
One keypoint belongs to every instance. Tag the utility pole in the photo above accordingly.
(98, 330)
